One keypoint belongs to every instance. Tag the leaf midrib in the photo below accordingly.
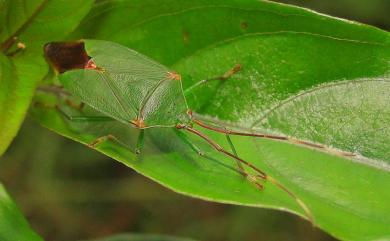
(308, 92)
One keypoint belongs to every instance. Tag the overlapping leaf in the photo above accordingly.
(13, 226)
(30, 23)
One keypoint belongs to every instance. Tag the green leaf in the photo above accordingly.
(13, 226)
(34, 23)
(142, 237)
(305, 75)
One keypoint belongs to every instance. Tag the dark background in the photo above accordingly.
(69, 192)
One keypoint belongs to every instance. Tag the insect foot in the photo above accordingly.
(43, 105)
(100, 140)
(254, 180)
(231, 72)
(181, 126)
(74, 105)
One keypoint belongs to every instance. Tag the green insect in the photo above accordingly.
(131, 88)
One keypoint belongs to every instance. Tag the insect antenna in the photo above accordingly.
(261, 174)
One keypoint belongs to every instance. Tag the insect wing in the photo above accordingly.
(127, 86)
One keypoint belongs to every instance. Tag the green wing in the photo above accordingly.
(130, 86)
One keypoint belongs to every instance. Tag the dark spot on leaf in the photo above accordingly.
(186, 36)
(244, 25)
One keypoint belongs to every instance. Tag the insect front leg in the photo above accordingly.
(92, 119)
(252, 178)
(140, 142)
(223, 77)
(201, 153)
(239, 164)
(102, 139)
(86, 119)
(184, 138)
(60, 93)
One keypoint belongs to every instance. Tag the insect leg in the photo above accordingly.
(140, 142)
(59, 92)
(239, 164)
(53, 89)
(82, 118)
(189, 143)
(261, 173)
(102, 139)
(248, 176)
(197, 150)
(275, 137)
(225, 76)
(94, 119)
(230, 132)
(220, 149)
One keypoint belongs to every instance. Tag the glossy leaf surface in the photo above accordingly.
(303, 74)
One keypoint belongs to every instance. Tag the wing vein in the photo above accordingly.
(112, 88)
(148, 96)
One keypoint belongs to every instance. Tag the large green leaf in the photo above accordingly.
(13, 226)
(303, 74)
(33, 22)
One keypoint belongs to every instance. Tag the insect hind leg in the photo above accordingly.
(229, 140)
(194, 147)
(252, 178)
(60, 93)
(239, 170)
(140, 142)
(86, 119)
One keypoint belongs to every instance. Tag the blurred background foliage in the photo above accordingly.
(70, 192)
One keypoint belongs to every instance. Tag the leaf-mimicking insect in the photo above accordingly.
(133, 89)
